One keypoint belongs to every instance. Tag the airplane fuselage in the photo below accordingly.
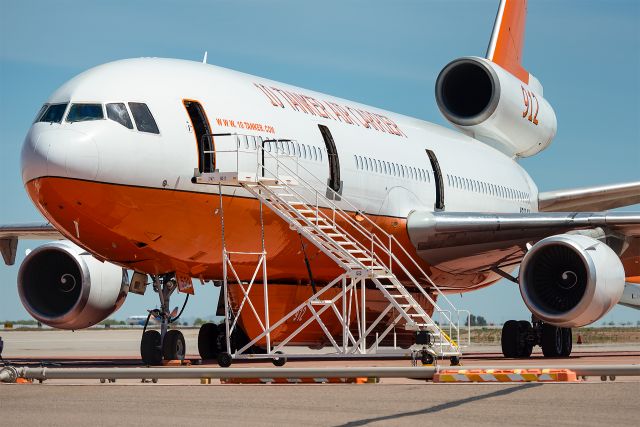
(127, 196)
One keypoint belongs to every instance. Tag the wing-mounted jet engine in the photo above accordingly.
(571, 280)
(63, 286)
(490, 104)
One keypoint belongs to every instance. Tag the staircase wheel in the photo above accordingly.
(281, 360)
(224, 359)
(426, 358)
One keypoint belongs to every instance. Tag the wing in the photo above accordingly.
(461, 242)
(10, 234)
(599, 198)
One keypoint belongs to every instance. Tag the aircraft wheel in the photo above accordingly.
(509, 338)
(551, 341)
(524, 347)
(173, 347)
(208, 341)
(224, 359)
(150, 350)
(567, 342)
(279, 361)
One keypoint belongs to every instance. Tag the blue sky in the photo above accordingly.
(388, 54)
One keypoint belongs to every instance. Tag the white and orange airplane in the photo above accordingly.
(119, 158)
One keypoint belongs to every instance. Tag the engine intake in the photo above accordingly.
(490, 104)
(65, 287)
(571, 280)
(467, 92)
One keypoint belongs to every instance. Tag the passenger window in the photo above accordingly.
(54, 113)
(118, 113)
(85, 112)
(143, 118)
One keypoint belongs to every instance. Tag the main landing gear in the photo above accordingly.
(520, 336)
(156, 346)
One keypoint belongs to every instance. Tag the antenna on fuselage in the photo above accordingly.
(204, 60)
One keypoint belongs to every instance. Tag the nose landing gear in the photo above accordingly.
(156, 346)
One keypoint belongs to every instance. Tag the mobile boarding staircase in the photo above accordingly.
(271, 171)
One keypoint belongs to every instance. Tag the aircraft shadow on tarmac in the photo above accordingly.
(443, 406)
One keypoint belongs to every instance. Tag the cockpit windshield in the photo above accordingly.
(118, 113)
(52, 113)
(85, 112)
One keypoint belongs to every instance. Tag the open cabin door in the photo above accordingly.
(439, 182)
(334, 181)
(204, 139)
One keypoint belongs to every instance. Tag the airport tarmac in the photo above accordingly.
(392, 402)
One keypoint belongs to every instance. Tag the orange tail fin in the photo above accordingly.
(507, 39)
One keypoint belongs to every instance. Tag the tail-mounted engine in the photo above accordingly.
(490, 104)
(571, 280)
(65, 287)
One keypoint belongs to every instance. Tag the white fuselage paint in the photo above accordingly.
(476, 177)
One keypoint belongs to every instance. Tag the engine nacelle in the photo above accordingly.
(63, 286)
(571, 280)
(490, 104)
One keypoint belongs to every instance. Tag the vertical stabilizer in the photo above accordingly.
(507, 39)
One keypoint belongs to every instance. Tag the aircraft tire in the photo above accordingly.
(173, 346)
(567, 342)
(150, 350)
(524, 348)
(208, 341)
(551, 341)
(509, 338)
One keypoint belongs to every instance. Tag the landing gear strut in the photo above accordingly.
(166, 344)
(519, 338)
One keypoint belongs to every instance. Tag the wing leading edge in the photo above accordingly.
(462, 242)
(598, 198)
(10, 234)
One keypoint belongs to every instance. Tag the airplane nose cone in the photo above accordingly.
(59, 153)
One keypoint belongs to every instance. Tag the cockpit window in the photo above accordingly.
(40, 113)
(118, 113)
(143, 117)
(85, 112)
(53, 113)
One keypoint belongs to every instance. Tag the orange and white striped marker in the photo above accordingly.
(319, 380)
(503, 375)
